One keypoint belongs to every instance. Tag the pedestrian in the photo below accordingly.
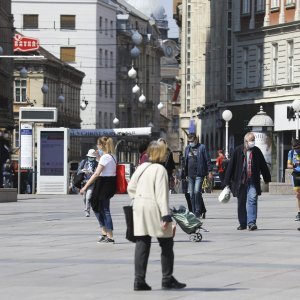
(143, 153)
(168, 163)
(8, 173)
(149, 188)
(219, 165)
(293, 162)
(243, 177)
(88, 167)
(105, 187)
(197, 165)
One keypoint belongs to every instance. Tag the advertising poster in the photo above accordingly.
(263, 140)
(26, 146)
(52, 153)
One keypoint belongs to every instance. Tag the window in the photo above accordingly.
(111, 90)
(245, 67)
(260, 65)
(100, 119)
(111, 28)
(111, 59)
(106, 26)
(67, 54)
(100, 57)
(100, 87)
(105, 120)
(16, 138)
(20, 90)
(229, 20)
(260, 5)
(274, 63)
(67, 22)
(274, 3)
(228, 75)
(229, 56)
(289, 2)
(246, 7)
(229, 38)
(30, 21)
(100, 25)
(290, 60)
(105, 89)
(106, 58)
(189, 27)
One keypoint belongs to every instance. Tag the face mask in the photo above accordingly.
(251, 144)
(100, 152)
(192, 144)
(91, 158)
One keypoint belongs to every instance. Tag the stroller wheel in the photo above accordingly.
(193, 237)
(199, 237)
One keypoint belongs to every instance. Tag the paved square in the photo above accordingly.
(49, 251)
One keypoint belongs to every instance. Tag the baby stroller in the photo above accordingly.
(188, 223)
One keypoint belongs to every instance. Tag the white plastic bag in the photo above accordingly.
(224, 196)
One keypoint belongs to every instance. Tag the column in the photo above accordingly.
(282, 10)
(267, 13)
(297, 12)
(252, 20)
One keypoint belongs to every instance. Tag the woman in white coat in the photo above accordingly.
(150, 190)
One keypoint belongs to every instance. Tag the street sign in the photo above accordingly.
(38, 114)
(139, 131)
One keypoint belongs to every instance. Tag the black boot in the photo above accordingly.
(172, 283)
(141, 286)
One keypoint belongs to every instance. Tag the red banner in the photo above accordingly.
(25, 44)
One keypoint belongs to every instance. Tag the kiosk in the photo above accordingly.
(52, 161)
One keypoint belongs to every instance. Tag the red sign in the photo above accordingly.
(25, 44)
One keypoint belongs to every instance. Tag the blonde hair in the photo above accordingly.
(249, 135)
(156, 152)
(163, 144)
(107, 144)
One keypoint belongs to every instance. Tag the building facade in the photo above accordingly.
(6, 65)
(250, 59)
(83, 34)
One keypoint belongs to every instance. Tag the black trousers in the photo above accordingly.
(142, 251)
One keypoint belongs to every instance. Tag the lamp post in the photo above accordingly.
(227, 116)
(296, 107)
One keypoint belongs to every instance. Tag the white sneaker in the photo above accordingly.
(87, 214)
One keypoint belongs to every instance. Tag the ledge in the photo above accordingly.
(281, 188)
(8, 195)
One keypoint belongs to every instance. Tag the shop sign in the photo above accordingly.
(25, 43)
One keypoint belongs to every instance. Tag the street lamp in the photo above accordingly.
(227, 116)
(296, 107)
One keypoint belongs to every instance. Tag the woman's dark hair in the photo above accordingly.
(143, 147)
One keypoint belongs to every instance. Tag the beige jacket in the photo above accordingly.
(150, 192)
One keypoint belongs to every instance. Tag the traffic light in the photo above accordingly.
(290, 113)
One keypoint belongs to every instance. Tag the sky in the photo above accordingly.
(144, 7)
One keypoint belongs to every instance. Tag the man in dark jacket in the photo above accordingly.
(243, 177)
(196, 166)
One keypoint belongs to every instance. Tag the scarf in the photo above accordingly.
(247, 168)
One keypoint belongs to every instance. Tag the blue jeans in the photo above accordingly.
(195, 191)
(104, 216)
(247, 204)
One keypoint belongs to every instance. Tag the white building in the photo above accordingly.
(83, 34)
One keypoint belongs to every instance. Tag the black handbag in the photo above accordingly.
(129, 223)
(78, 180)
